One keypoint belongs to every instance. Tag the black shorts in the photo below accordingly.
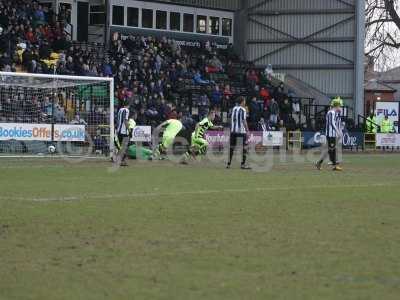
(122, 136)
(331, 142)
(235, 137)
(120, 139)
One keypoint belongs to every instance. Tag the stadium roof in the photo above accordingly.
(374, 85)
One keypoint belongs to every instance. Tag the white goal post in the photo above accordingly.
(72, 114)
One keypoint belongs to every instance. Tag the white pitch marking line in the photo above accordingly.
(182, 193)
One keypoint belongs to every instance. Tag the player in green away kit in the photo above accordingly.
(199, 143)
(172, 128)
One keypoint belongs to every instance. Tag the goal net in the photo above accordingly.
(55, 115)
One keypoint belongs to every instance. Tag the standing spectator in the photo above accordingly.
(269, 72)
(285, 111)
(295, 101)
(265, 95)
(386, 125)
(274, 112)
(279, 93)
(254, 113)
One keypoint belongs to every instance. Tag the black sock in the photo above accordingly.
(332, 156)
(244, 156)
(230, 155)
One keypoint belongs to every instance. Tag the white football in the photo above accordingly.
(52, 149)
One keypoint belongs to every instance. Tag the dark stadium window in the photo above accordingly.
(133, 17)
(161, 19)
(96, 8)
(97, 15)
(175, 21)
(226, 27)
(147, 18)
(188, 22)
(213, 25)
(201, 24)
(117, 15)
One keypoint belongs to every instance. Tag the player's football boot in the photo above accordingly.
(245, 167)
(318, 165)
(337, 168)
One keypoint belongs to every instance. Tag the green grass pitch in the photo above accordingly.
(162, 231)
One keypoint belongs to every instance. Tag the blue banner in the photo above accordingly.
(350, 139)
(353, 139)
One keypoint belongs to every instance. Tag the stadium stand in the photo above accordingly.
(160, 78)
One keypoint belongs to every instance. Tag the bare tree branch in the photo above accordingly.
(382, 38)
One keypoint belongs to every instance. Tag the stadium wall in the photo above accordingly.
(130, 16)
(318, 42)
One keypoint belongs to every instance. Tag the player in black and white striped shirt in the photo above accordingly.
(122, 133)
(239, 130)
(333, 132)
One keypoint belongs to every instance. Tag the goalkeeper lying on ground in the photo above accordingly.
(144, 152)
(199, 143)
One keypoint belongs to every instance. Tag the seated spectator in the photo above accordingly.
(59, 113)
(172, 114)
(39, 16)
(227, 91)
(30, 36)
(107, 69)
(227, 98)
(198, 79)
(152, 113)
(252, 78)
(100, 142)
(214, 65)
(141, 117)
(216, 97)
(78, 120)
(263, 125)
(47, 106)
(204, 104)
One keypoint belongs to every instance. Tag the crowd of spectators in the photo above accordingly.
(159, 78)
(29, 33)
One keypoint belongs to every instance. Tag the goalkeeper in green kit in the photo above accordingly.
(132, 150)
(199, 143)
